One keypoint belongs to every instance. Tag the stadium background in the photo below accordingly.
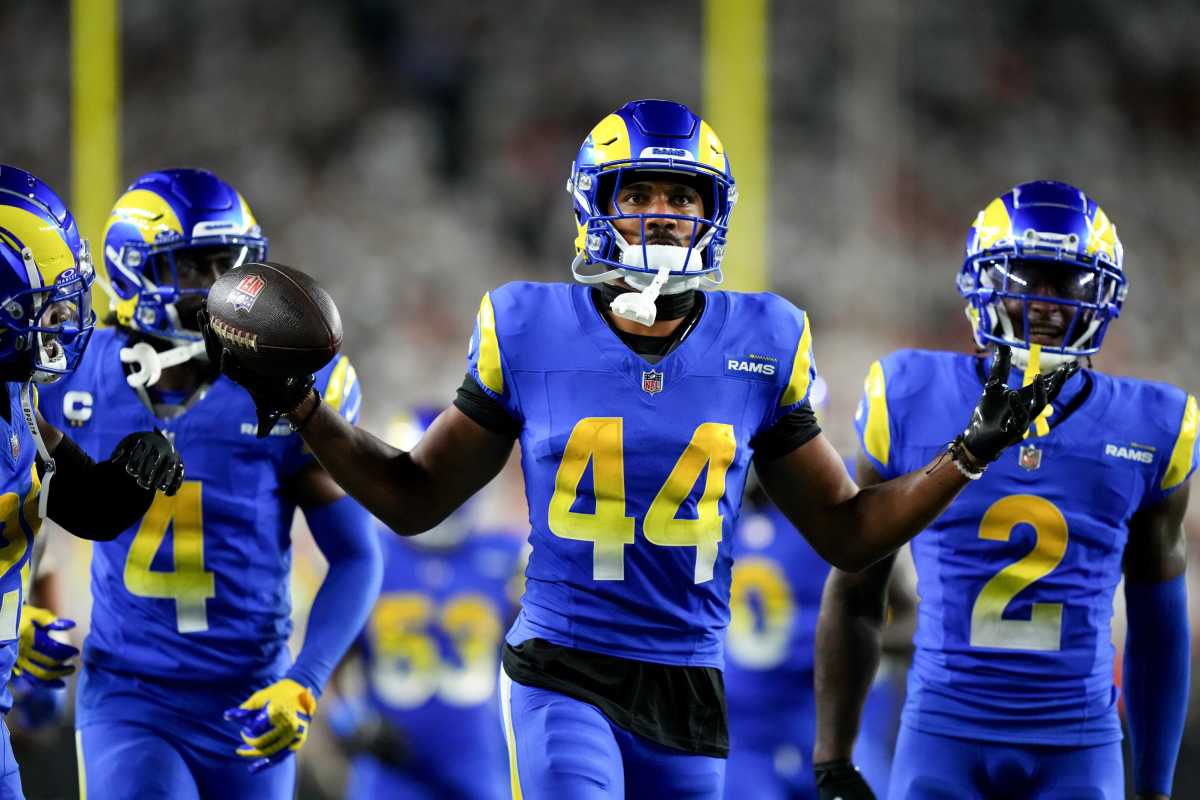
(412, 155)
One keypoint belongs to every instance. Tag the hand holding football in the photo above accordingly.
(275, 319)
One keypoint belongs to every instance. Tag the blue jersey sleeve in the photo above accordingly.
(801, 371)
(873, 421)
(1182, 416)
(340, 390)
(487, 362)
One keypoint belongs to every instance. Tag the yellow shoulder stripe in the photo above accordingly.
(797, 386)
(335, 390)
(877, 436)
(490, 371)
(1181, 456)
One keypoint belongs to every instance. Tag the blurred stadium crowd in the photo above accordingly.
(413, 155)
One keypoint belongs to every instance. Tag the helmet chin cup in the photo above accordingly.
(148, 363)
(1047, 363)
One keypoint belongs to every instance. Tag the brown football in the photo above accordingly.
(275, 319)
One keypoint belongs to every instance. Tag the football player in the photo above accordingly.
(774, 596)
(428, 724)
(191, 608)
(1011, 691)
(46, 321)
(639, 401)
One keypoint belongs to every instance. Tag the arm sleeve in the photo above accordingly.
(1156, 679)
(791, 431)
(93, 500)
(873, 424)
(484, 409)
(345, 534)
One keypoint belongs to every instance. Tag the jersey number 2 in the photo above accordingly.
(189, 584)
(1043, 629)
(600, 441)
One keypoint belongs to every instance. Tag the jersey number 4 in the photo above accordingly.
(600, 441)
(1043, 630)
(187, 583)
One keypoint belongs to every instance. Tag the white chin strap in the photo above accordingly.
(639, 306)
(149, 363)
(29, 411)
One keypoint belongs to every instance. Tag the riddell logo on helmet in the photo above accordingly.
(244, 295)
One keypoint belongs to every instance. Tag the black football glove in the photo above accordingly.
(841, 780)
(151, 460)
(273, 395)
(1003, 413)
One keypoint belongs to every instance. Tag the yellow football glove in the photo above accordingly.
(41, 660)
(274, 722)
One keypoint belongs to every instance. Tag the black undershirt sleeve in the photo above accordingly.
(92, 500)
(792, 430)
(484, 409)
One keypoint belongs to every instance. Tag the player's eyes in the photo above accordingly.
(683, 200)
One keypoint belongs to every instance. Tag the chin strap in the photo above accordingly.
(149, 363)
(30, 413)
(1032, 369)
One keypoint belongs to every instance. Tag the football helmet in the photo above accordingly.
(1042, 242)
(46, 274)
(655, 136)
(166, 236)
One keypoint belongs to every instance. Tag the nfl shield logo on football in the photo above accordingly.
(246, 292)
(652, 381)
(1030, 458)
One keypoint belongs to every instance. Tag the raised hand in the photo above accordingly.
(1003, 413)
(273, 395)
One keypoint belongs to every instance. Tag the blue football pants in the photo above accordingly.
(10, 776)
(560, 748)
(449, 779)
(932, 767)
(137, 740)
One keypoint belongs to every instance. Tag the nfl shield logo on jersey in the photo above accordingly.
(652, 381)
(1030, 458)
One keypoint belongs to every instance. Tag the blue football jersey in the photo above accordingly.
(198, 587)
(431, 648)
(634, 472)
(19, 523)
(1016, 578)
(777, 583)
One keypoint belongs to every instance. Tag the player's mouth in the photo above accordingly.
(1047, 334)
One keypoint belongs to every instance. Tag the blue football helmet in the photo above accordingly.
(1042, 242)
(46, 274)
(168, 225)
(650, 136)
